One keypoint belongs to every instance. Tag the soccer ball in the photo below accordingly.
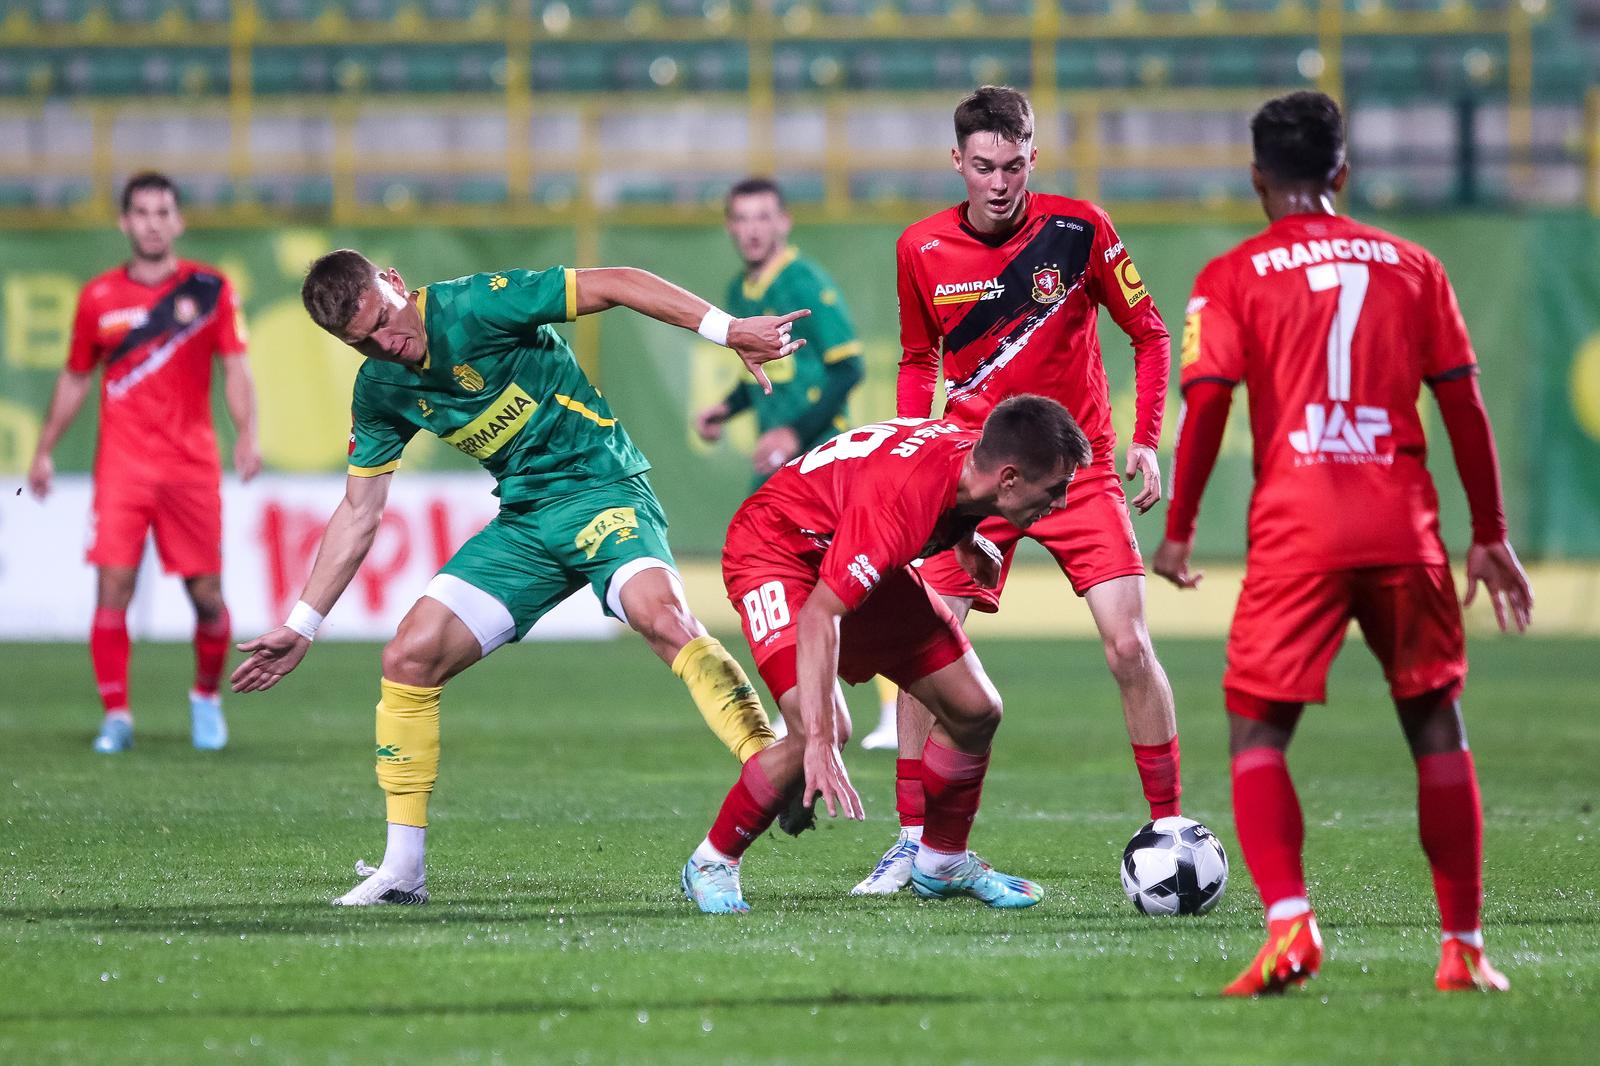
(1174, 866)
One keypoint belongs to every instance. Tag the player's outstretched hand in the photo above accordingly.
(1142, 460)
(40, 473)
(763, 338)
(1172, 563)
(1497, 567)
(980, 559)
(708, 422)
(272, 656)
(825, 774)
(774, 448)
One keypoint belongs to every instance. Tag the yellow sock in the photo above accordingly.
(887, 689)
(727, 700)
(408, 749)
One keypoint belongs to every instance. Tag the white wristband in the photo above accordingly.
(304, 620)
(714, 327)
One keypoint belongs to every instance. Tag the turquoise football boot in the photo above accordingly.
(714, 887)
(977, 879)
(116, 734)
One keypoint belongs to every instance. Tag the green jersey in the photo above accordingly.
(500, 385)
(806, 392)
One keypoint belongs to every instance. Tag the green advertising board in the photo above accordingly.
(1529, 287)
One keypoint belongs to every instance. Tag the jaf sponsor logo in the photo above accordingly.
(1330, 431)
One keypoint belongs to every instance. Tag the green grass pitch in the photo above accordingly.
(172, 906)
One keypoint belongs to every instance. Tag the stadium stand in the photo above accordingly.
(1147, 97)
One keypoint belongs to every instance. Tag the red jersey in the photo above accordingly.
(155, 344)
(1019, 314)
(1333, 326)
(857, 507)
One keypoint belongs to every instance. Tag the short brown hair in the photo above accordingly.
(997, 109)
(333, 287)
(1034, 433)
(756, 187)
(147, 179)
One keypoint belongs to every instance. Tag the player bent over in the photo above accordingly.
(475, 362)
(818, 563)
(1336, 326)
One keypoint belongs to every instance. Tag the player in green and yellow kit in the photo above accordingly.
(807, 404)
(475, 362)
(809, 392)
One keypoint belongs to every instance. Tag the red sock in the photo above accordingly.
(952, 783)
(108, 651)
(211, 652)
(750, 808)
(1158, 773)
(909, 800)
(1450, 822)
(1266, 816)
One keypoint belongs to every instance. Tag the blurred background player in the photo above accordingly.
(153, 326)
(475, 362)
(810, 394)
(1335, 326)
(818, 565)
(1009, 285)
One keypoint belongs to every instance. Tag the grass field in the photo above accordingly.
(172, 906)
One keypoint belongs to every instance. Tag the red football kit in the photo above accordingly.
(854, 513)
(1018, 314)
(1334, 327)
(156, 462)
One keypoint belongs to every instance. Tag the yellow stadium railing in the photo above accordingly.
(519, 27)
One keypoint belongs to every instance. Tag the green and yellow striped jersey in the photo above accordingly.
(499, 384)
(789, 283)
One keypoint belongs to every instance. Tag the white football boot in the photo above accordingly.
(382, 887)
(893, 871)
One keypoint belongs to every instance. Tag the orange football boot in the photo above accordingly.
(1292, 953)
(1463, 967)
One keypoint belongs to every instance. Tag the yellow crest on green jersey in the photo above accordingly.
(497, 283)
(619, 520)
(467, 377)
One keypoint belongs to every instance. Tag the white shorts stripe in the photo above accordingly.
(486, 616)
(627, 572)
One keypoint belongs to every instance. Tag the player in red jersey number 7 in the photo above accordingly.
(1003, 294)
(817, 563)
(1335, 327)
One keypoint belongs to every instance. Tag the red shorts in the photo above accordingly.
(186, 517)
(1287, 629)
(903, 631)
(1091, 539)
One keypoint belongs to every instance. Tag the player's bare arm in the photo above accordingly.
(756, 340)
(345, 544)
(65, 402)
(816, 667)
(239, 391)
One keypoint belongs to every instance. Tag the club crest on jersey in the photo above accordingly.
(1047, 288)
(185, 310)
(467, 377)
(619, 520)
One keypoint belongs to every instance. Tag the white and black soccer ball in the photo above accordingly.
(1174, 866)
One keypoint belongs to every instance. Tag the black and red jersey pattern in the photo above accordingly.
(1019, 314)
